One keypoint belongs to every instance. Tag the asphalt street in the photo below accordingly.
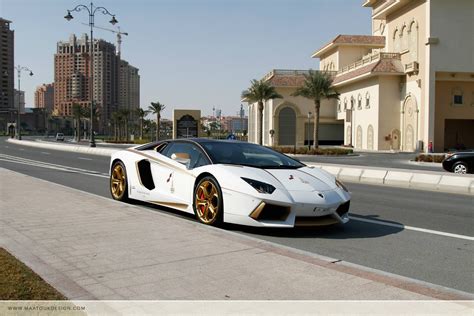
(418, 234)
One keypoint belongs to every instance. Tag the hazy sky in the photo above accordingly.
(191, 53)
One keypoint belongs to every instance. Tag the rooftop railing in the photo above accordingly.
(368, 60)
(288, 72)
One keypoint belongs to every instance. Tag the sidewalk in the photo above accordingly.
(90, 247)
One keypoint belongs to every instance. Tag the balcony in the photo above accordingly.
(368, 59)
(284, 72)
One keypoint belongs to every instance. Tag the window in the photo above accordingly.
(352, 103)
(457, 99)
(404, 38)
(339, 106)
(187, 153)
(345, 104)
(396, 41)
(367, 100)
(359, 102)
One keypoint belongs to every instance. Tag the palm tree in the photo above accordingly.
(116, 117)
(141, 113)
(260, 91)
(77, 113)
(125, 116)
(317, 86)
(156, 108)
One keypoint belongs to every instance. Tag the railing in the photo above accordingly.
(288, 72)
(368, 60)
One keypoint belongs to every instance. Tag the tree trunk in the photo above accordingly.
(158, 116)
(317, 106)
(78, 129)
(260, 123)
(141, 128)
(126, 129)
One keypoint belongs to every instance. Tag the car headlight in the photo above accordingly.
(261, 187)
(341, 185)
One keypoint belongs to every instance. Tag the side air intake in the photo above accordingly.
(144, 174)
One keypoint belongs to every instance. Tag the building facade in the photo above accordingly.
(44, 97)
(6, 65)
(129, 86)
(19, 100)
(72, 77)
(410, 85)
(290, 121)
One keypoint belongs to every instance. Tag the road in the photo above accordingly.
(418, 234)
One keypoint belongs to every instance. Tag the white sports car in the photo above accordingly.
(229, 181)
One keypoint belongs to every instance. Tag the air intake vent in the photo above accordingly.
(270, 212)
(144, 174)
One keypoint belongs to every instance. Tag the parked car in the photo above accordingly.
(59, 137)
(459, 162)
(229, 181)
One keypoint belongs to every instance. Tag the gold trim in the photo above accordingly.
(256, 212)
(170, 204)
(206, 201)
(118, 181)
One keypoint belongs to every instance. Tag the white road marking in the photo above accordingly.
(83, 158)
(45, 153)
(423, 230)
(22, 149)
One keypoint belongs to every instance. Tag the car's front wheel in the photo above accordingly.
(208, 201)
(460, 167)
(118, 182)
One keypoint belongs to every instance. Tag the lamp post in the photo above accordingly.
(19, 69)
(309, 131)
(92, 10)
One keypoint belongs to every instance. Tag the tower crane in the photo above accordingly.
(119, 36)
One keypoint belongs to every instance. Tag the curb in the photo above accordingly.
(449, 183)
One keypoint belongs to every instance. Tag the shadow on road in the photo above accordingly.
(353, 229)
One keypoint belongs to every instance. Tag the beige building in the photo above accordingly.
(44, 97)
(408, 86)
(186, 123)
(289, 121)
(410, 83)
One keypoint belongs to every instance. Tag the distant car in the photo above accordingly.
(230, 181)
(459, 162)
(59, 137)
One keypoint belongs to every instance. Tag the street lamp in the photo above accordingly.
(309, 132)
(92, 10)
(19, 69)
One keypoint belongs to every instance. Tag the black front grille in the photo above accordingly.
(343, 208)
(274, 213)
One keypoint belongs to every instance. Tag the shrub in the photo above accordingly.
(332, 151)
(429, 158)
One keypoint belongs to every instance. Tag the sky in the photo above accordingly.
(192, 54)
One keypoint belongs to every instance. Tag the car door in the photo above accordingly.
(175, 178)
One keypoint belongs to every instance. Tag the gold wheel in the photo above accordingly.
(207, 201)
(118, 182)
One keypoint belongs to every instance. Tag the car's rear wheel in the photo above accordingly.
(460, 167)
(208, 201)
(118, 182)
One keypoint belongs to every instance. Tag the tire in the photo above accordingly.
(460, 168)
(118, 182)
(207, 201)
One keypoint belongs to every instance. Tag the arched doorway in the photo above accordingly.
(287, 124)
(410, 116)
(370, 137)
(359, 137)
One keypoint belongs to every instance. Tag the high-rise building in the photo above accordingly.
(6, 65)
(44, 97)
(19, 99)
(72, 77)
(129, 86)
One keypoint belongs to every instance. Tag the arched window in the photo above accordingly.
(413, 44)
(396, 41)
(404, 38)
(345, 103)
(359, 102)
(367, 100)
(352, 102)
(339, 106)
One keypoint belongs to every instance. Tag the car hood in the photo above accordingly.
(303, 179)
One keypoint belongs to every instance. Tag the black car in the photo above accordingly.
(459, 162)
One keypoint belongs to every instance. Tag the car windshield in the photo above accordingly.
(251, 155)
